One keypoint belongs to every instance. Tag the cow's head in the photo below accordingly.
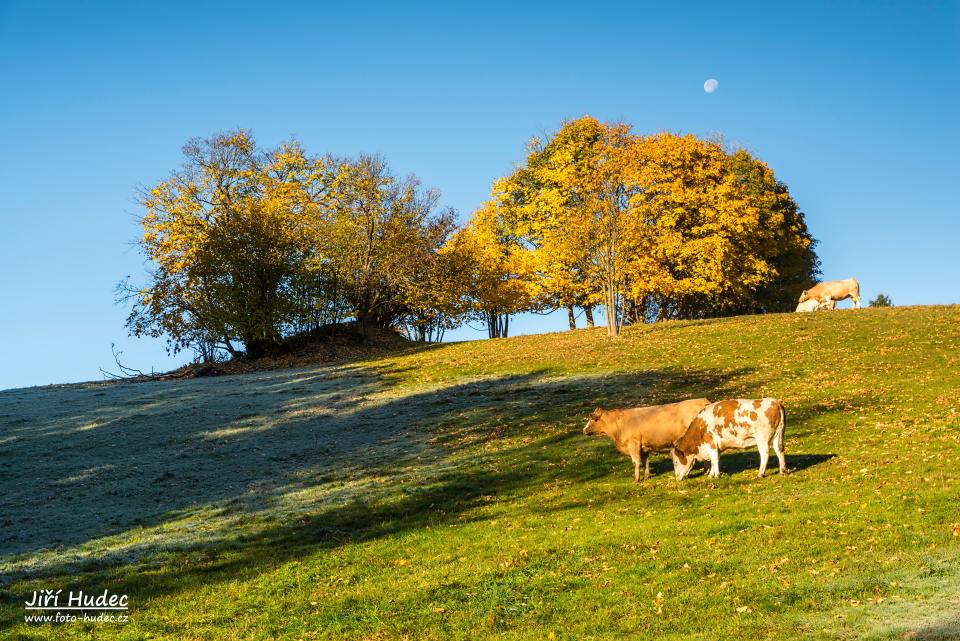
(594, 423)
(804, 295)
(682, 462)
(686, 449)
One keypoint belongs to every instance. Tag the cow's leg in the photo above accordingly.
(645, 459)
(856, 301)
(778, 450)
(764, 447)
(635, 457)
(714, 462)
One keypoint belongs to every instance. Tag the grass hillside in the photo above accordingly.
(448, 492)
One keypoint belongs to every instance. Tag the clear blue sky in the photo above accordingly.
(853, 104)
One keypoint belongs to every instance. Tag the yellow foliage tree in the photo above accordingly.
(226, 252)
(718, 228)
(499, 270)
(668, 225)
(571, 203)
(377, 236)
(248, 247)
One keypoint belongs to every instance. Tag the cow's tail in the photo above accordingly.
(783, 426)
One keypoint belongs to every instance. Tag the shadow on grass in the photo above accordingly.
(735, 462)
(947, 630)
(94, 462)
(749, 461)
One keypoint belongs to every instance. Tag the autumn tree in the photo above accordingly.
(379, 229)
(725, 236)
(571, 204)
(784, 242)
(224, 250)
(246, 247)
(661, 226)
(434, 290)
(498, 269)
(538, 209)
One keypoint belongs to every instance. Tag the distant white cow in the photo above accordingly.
(813, 305)
(833, 291)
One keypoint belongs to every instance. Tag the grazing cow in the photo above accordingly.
(813, 305)
(738, 423)
(834, 290)
(637, 432)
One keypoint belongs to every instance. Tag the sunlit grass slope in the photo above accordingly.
(448, 493)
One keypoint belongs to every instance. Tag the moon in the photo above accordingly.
(711, 85)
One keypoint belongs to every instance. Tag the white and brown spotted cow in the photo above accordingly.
(737, 423)
(833, 291)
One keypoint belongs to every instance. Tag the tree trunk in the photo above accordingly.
(571, 318)
(233, 351)
(497, 324)
(661, 310)
(363, 323)
(588, 311)
(610, 312)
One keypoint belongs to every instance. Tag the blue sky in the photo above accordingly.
(852, 104)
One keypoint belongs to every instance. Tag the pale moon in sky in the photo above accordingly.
(711, 85)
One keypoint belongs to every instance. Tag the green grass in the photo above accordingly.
(448, 492)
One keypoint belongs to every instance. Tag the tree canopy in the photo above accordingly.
(248, 246)
(659, 226)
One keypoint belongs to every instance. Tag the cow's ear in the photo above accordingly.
(597, 413)
(680, 455)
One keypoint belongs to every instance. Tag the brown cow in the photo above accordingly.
(637, 432)
(737, 423)
(834, 290)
